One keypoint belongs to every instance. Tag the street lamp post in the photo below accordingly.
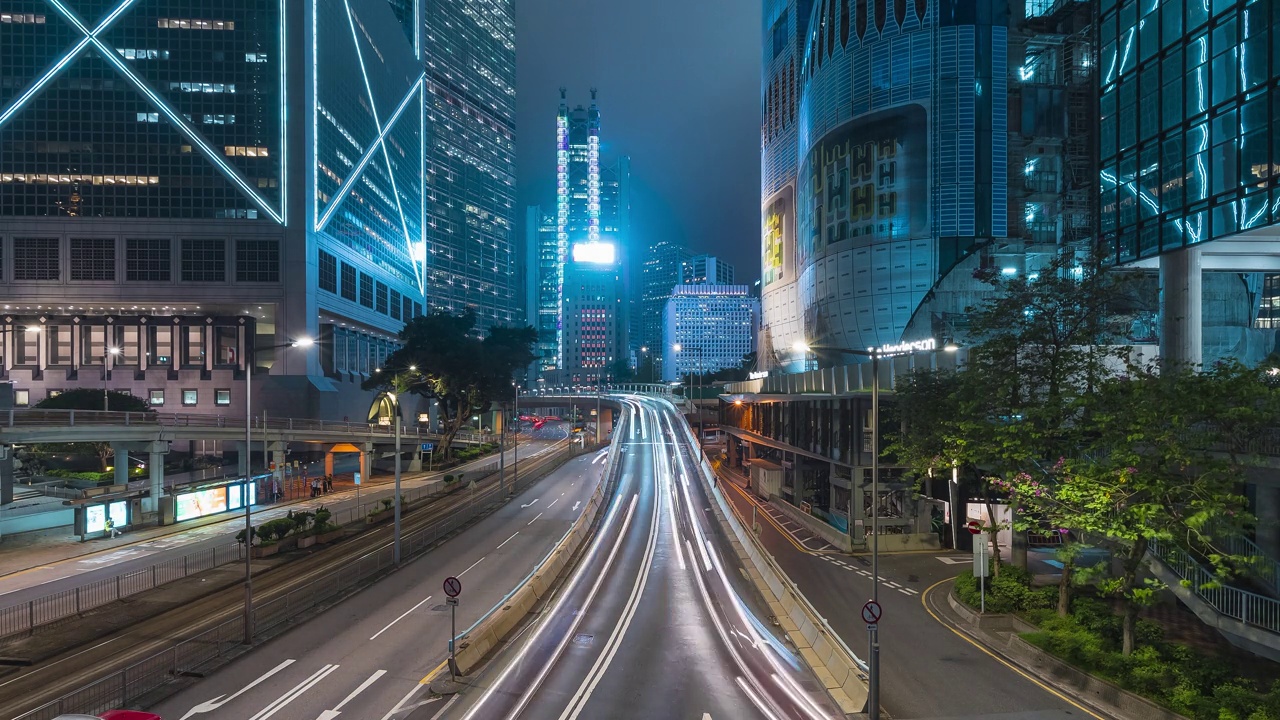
(873, 632)
(515, 445)
(106, 368)
(248, 477)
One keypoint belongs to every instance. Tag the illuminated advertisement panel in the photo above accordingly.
(95, 516)
(200, 503)
(234, 492)
(596, 253)
(866, 180)
(779, 233)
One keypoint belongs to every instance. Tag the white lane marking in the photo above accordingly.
(601, 665)
(553, 502)
(706, 716)
(406, 614)
(214, 704)
(549, 615)
(297, 692)
(575, 506)
(530, 504)
(535, 517)
(952, 560)
(400, 704)
(513, 535)
(337, 709)
(464, 572)
(447, 705)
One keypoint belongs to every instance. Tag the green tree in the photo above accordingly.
(442, 358)
(1152, 472)
(89, 399)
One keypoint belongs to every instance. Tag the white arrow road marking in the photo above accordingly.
(553, 502)
(406, 613)
(337, 709)
(464, 572)
(529, 505)
(513, 535)
(535, 517)
(214, 704)
(575, 505)
(706, 716)
(297, 691)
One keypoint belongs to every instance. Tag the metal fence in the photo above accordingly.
(126, 686)
(33, 418)
(1249, 608)
(52, 608)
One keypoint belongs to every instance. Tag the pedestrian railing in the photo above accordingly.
(1247, 607)
(128, 686)
(39, 418)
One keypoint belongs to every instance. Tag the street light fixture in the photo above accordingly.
(245, 496)
(105, 369)
(907, 348)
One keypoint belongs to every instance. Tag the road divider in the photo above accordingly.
(478, 641)
(834, 664)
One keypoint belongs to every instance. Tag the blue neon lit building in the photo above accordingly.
(257, 160)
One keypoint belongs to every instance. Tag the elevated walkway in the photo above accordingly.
(1248, 620)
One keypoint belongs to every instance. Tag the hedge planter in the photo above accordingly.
(374, 518)
(329, 536)
(306, 541)
(262, 551)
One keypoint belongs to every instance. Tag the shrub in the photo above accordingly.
(274, 530)
(1011, 592)
(301, 520)
(323, 516)
(387, 503)
(448, 478)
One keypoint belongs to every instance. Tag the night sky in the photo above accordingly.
(679, 84)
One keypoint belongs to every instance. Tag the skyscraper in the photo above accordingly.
(703, 269)
(662, 270)
(193, 187)
(594, 325)
(711, 324)
(546, 277)
(470, 158)
(593, 204)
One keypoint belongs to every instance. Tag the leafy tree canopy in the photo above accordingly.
(442, 358)
(89, 399)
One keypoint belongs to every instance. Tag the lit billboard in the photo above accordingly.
(779, 236)
(866, 180)
(95, 516)
(200, 503)
(595, 253)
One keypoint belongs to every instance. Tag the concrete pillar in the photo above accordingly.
(366, 463)
(1181, 299)
(120, 453)
(328, 462)
(1267, 509)
(1018, 539)
(155, 470)
(278, 457)
(6, 474)
(415, 463)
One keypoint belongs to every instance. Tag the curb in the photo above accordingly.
(1093, 693)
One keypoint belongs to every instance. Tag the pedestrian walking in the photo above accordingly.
(315, 487)
(328, 480)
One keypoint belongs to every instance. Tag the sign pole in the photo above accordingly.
(453, 588)
(871, 613)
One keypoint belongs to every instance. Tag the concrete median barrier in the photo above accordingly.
(834, 664)
(476, 643)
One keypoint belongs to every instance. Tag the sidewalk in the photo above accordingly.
(42, 548)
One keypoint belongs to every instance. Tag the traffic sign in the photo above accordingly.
(871, 612)
(357, 478)
(428, 447)
(452, 587)
(451, 601)
(974, 527)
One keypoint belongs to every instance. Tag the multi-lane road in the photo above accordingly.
(650, 625)
(367, 656)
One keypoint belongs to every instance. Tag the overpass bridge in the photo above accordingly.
(151, 433)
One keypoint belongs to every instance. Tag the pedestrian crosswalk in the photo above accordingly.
(841, 562)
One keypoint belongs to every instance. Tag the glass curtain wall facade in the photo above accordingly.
(469, 52)
(661, 273)
(1190, 123)
(714, 326)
